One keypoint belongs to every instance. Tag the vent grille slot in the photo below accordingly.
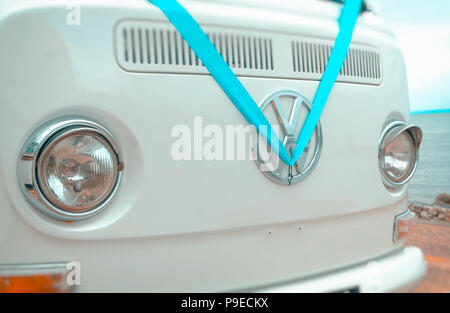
(241, 52)
(312, 58)
(166, 47)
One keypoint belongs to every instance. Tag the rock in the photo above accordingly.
(427, 210)
(433, 211)
(447, 216)
(412, 206)
(416, 208)
(443, 199)
(425, 215)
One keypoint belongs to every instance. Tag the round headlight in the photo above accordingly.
(399, 153)
(399, 157)
(70, 169)
(77, 170)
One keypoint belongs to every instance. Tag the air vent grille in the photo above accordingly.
(157, 47)
(166, 47)
(313, 58)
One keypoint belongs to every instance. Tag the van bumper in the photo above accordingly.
(397, 272)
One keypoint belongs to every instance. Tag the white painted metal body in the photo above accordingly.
(196, 225)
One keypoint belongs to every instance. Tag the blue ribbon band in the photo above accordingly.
(347, 22)
(236, 92)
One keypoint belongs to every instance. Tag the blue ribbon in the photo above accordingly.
(347, 22)
(236, 92)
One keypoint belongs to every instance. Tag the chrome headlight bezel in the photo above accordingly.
(389, 134)
(28, 163)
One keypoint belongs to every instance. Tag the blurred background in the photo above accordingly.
(422, 29)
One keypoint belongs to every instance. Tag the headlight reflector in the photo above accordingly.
(69, 169)
(399, 157)
(398, 153)
(77, 170)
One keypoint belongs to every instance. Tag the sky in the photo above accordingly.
(422, 29)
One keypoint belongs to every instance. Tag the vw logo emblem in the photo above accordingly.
(286, 110)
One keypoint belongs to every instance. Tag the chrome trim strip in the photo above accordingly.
(27, 269)
(407, 215)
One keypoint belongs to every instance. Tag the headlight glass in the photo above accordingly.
(77, 170)
(399, 157)
(398, 154)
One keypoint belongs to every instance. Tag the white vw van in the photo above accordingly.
(93, 199)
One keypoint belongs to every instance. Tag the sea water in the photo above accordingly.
(433, 172)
